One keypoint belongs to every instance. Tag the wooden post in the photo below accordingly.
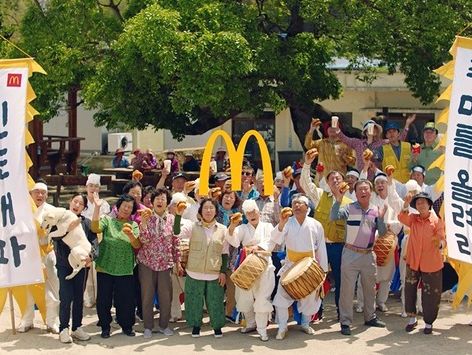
(74, 146)
(12, 312)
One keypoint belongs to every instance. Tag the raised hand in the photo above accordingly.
(310, 155)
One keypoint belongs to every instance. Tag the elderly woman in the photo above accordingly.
(157, 256)
(424, 259)
(206, 267)
(255, 237)
(115, 264)
(71, 292)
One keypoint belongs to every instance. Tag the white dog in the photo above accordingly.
(76, 239)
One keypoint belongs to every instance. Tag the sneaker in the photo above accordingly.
(404, 315)
(64, 336)
(147, 333)
(281, 334)
(411, 327)
(382, 308)
(54, 329)
(80, 334)
(428, 330)
(196, 332)
(263, 336)
(218, 333)
(470, 323)
(246, 330)
(25, 328)
(105, 333)
(308, 330)
(167, 332)
(345, 329)
(375, 323)
(359, 309)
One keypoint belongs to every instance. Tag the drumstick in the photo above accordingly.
(261, 252)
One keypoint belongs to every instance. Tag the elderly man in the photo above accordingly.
(333, 230)
(39, 194)
(255, 237)
(303, 237)
(363, 220)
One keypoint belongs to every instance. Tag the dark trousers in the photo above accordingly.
(430, 293)
(71, 292)
(137, 293)
(117, 290)
(335, 252)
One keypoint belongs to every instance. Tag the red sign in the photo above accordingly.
(14, 80)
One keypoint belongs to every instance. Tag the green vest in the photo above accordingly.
(334, 231)
(402, 166)
(206, 257)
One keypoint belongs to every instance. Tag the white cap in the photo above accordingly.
(220, 149)
(249, 206)
(301, 198)
(412, 185)
(279, 176)
(40, 186)
(93, 179)
(178, 197)
(353, 173)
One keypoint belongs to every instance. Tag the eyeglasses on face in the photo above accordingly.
(246, 173)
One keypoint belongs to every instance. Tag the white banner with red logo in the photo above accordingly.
(20, 261)
(458, 168)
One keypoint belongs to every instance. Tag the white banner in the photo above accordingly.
(458, 169)
(20, 262)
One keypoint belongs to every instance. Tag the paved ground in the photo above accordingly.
(452, 335)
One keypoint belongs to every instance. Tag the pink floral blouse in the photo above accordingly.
(160, 248)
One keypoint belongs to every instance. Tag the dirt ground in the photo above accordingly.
(452, 335)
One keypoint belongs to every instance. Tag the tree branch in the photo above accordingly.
(114, 7)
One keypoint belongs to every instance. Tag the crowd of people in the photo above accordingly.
(164, 246)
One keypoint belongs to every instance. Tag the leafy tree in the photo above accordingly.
(190, 65)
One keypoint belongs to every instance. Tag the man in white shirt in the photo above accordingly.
(303, 237)
(255, 237)
(39, 194)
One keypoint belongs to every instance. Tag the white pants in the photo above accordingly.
(52, 295)
(90, 293)
(178, 287)
(255, 302)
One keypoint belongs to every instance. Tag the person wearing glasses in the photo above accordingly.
(248, 190)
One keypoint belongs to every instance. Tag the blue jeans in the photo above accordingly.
(335, 251)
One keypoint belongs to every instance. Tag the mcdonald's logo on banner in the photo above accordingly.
(14, 80)
(236, 157)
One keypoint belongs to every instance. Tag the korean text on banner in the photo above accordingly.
(20, 262)
(458, 168)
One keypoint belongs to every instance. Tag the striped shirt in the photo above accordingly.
(361, 224)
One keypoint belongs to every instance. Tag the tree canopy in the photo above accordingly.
(190, 65)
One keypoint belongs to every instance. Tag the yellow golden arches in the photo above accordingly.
(236, 157)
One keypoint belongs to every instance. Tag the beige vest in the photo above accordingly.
(205, 257)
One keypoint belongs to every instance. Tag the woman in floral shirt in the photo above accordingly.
(157, 257)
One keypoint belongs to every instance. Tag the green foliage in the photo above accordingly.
(188, 65)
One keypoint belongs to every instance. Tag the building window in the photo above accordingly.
(265, 125)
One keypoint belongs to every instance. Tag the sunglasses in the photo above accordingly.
(246, 173)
